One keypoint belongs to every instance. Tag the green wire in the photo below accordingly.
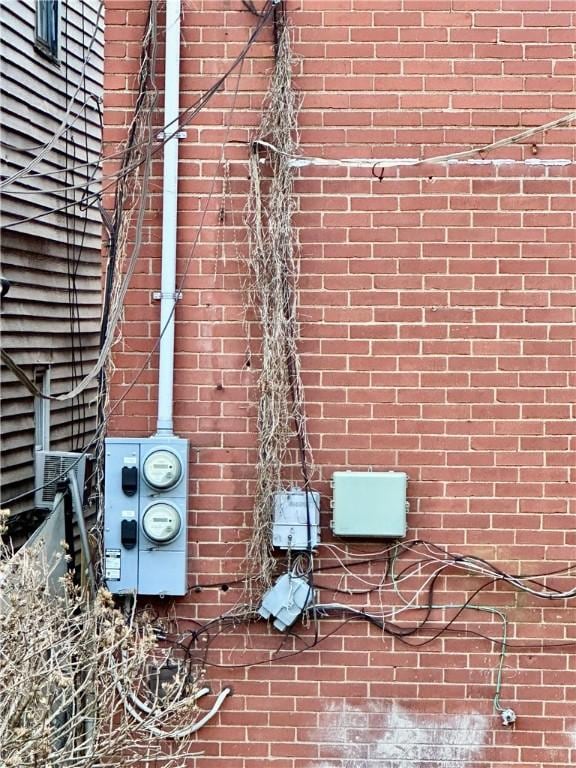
(485, 608)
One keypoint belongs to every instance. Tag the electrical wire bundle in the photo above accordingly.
(153, 145)
(155, 140)
(429, 561)
(416, 562)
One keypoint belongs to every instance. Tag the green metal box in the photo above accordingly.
(369, 504)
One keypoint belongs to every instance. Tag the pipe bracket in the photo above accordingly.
(158, 296)
(163, 136)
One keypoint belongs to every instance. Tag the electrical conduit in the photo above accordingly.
(168, 298)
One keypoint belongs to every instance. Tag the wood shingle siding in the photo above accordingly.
(36, 93)
(51, 314)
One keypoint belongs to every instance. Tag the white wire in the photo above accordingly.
(459, 563)
(408, 604)
(178, 733)
(386, 162)
(479, 568)
(381, 582)
(347, 553)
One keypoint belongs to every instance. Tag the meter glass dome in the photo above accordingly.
(161, 522)
(162, 469)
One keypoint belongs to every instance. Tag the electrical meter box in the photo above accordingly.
(296, 519)
(369, 504)
(145, 515)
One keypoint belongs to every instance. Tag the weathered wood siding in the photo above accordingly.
(51, 314)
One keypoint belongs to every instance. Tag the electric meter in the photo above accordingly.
(162, 469)
(161, 522)
(146, 515)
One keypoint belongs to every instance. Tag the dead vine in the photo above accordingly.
(273, 268)
(75, 677)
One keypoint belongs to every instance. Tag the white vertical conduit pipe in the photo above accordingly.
(168, 298)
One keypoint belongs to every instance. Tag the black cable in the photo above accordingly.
(353, 615)
(217, 585)
(148, 58)
(308, 646)
(178, 123)
(396, 631)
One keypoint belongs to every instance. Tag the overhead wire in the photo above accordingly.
(114, 406)
(64, 124)
(179, 123)
(6, 358)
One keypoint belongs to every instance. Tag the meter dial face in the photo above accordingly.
(161, 522)
(162, 469)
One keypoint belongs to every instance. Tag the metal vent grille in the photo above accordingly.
(51, 467)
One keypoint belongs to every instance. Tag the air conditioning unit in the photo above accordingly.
(50, 468)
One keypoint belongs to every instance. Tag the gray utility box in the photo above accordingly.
(286, 600)
(369, 504)
(295, 518)
(145, 515)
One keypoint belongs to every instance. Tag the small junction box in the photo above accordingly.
(296, 519)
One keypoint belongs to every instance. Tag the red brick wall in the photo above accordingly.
(437, 311)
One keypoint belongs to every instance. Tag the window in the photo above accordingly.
(47, 27)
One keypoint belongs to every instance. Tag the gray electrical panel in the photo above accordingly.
(145, 515)
(296, 519)
(369, 504)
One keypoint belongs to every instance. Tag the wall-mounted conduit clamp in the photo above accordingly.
(158, 296)
(163, 136)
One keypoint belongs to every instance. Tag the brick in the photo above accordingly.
(437, 318)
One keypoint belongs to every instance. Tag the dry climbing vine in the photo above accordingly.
(273, 266)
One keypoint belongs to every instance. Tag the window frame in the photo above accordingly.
(42, 409)
(47, 29)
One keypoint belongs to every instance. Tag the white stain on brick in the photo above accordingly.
(387, 735)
